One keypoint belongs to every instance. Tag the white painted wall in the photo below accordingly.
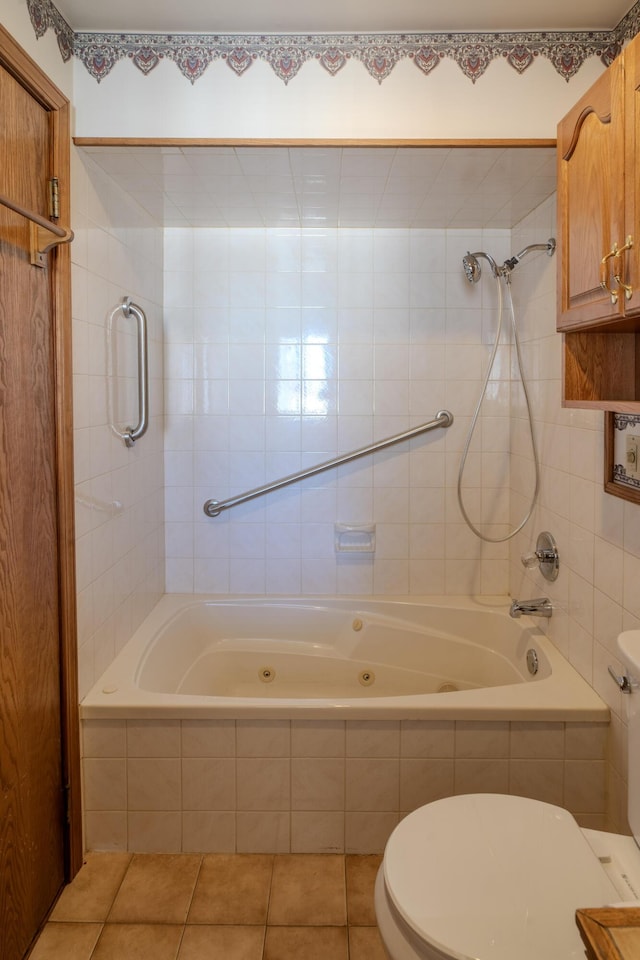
(352, 104)
(407, 104)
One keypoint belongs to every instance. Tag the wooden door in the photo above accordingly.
(590, 200)
(35, 557)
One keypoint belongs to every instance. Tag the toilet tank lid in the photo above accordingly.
(491, 876)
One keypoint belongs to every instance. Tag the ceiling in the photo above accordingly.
(395, 187)
(338, 16)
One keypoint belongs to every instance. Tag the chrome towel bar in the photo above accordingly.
(34, 217)
(213, 508)
(41, 234)
(132, 434)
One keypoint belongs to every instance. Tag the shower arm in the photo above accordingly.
(549, 247)
(472, 266)
(213, 508)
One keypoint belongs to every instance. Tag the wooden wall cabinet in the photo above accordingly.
(598, 240)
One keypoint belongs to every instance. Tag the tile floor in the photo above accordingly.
(125, 906)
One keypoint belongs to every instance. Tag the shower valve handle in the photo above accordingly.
(529, 560)
(544, 556)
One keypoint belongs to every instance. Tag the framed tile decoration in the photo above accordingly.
(622, 455)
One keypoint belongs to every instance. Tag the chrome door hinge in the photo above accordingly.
(44, 235)
(54, 198)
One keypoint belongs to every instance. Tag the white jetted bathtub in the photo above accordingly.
(198, 657)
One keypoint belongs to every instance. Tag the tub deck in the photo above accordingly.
(147, 680)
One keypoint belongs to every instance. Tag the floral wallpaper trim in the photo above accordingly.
(286, 53)
(43, 15)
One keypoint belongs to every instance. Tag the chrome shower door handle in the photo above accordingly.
(132, 434)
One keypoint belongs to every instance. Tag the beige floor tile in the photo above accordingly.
(139, 941)
(365, 943)
(157, 888)
(361, 878)
(222, 943)
(306, 943)
(308, 889)
(232, 888)
(93, 890)
(66, 941)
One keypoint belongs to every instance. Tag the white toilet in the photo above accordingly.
(494, 877)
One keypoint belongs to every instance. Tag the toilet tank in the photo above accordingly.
(629, 647)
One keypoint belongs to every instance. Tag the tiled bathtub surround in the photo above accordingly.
(117, 252)
(284, 347)
(317, 786)
(596, 594)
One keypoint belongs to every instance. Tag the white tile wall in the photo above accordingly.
(319, 786)
(284, 347)
(117, 252)
(598, 535)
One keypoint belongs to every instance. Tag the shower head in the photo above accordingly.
(472, 268)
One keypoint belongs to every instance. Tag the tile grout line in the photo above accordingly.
(266, 916)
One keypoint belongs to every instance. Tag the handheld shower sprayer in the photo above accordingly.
(473, 273)
(473, 270)
(472, 267)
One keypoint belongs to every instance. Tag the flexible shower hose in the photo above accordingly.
(474, 420)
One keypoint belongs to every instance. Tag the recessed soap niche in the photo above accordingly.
(622, 455)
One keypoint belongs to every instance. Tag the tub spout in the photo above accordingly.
(541, 607)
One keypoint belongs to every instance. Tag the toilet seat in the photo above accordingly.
(492, 877)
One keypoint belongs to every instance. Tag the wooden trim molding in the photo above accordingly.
(299, 142)
(23, 68)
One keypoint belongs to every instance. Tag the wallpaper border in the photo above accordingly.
(287, 53)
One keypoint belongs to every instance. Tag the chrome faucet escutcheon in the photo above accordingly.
(540, 607)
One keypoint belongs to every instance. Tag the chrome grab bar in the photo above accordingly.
(132, 434)
(213, 508)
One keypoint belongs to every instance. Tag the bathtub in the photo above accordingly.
(199, 657)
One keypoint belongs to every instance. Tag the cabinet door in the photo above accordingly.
(591, 201)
